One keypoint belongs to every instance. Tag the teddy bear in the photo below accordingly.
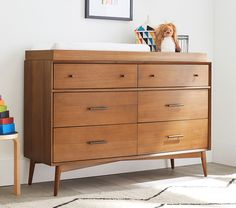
(166, 38)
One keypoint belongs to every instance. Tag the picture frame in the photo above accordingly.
(109, 9)
(184, 43)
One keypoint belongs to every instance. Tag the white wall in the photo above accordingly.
(224, 82)
(27, 23)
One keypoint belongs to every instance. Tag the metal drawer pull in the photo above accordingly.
(195, 75)
(122, 75)
(98, 108)
(72, 76)
(152, 75)
(97, 142)
(175, 137)
(175, 105)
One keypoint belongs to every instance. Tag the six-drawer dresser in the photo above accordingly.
(85, 108)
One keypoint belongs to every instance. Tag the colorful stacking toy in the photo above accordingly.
(7, 125)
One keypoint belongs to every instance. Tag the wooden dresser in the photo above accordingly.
(85, 108)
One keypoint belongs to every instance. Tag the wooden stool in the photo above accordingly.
(15, 139)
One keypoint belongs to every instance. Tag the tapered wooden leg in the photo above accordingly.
(172, 162)
(204, 164)
(31, 172)
(57, 180)
(17, 167)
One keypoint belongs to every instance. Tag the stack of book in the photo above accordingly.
(7, 125)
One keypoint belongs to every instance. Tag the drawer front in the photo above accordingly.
(172, 105)
(71, 76)
(82, 143)
(173, 75)
(81, 109)
(172, 136)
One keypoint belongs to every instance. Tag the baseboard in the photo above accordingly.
(45, 173)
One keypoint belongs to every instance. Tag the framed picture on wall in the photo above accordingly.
(109, 9)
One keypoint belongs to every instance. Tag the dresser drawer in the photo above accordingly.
(172, 136)
(172, 105)
(81, 109)
(173, 75)
(82, 143)
(71, 76)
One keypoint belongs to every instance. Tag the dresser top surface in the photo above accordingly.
(114, 56)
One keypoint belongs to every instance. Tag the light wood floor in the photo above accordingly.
(109, 183)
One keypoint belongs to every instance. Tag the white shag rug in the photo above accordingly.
(183, 192)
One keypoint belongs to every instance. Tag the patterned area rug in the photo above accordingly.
(184, 192)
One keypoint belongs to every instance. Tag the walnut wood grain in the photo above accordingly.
(210, 108)
(173, 75)
(131, 89)
(57, 179)
(31, 172)
(114, 56)
(71, 144)
(172, 163)
(172, 105)
(72, 95)
(68, 166)
(73, 109)
(172, 136)
(38, 110)
(74, 76)
(204, 163)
